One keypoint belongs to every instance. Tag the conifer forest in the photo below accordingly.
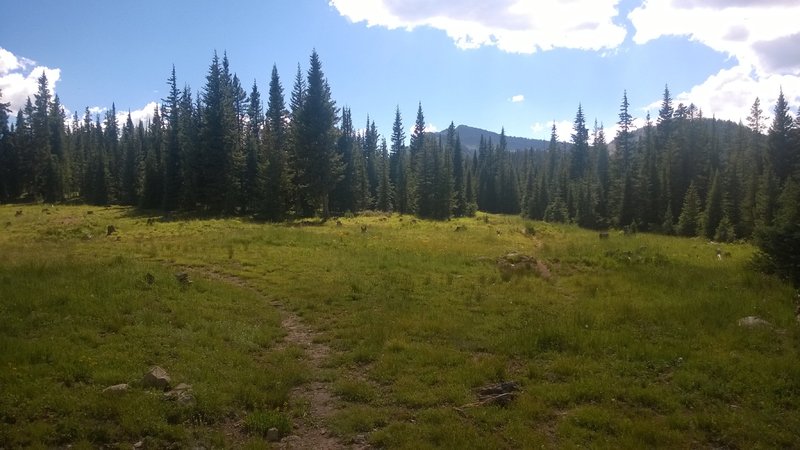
(227, 150)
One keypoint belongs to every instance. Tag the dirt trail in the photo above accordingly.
(315, 397)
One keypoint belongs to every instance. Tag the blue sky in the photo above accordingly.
(518, 64)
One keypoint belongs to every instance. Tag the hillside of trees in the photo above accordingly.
(471, 137)
(224, 150)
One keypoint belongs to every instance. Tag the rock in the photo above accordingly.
(117, 388)
(182, 394)
(498, 388)
(753, 322)
(139, 444)
(273, 435)
(157, 378)
(515, 264)
(183, 278)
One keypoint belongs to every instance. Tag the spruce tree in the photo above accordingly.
(277, 193)
(689, 220)
(385, 189)
(714, 212)
(318, 164)
(254, 185)
(781, 148)
(173, 176)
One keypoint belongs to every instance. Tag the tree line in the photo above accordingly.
(224, 150)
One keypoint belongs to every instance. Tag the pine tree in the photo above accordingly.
(399, 165)
(713, 214)
(8, 163)
(624, 152)
(579, 164)
(756, 118)
(254, 185)
(781, 149)
(40, 134)
(318, 164)
(277, 193)
(689, 220)
(153, 184)
(173, 177)
(129, 194)
(459, 199)
(385, 188)
(213, 162)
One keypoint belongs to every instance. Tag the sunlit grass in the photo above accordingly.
(626, 342)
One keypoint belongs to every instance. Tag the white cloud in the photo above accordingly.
(515, 26)
(760, 35)
(145, 114)
(729, 93)
(18, 83)
(732, 27)
(542, 130)
(519, 98)
(431, 128)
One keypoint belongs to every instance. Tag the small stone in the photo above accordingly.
(183, 279)
(182, 394)
(157, 378)
(273, 435)
(752, 322)
(117, 388)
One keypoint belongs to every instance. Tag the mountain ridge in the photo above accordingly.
(471, 137)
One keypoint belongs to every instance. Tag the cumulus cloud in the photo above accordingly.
(19, 78)
(760, 35)
(519, 98)
(729, 93)
(515, 26)
(145, 114)
(542, 130)
(732, 27)
(781, 55)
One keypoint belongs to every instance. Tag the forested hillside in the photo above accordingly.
(225, 150)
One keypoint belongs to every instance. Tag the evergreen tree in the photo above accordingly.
(714, 212)
(129, 194)
(318, 164)
(689, 220)
(40, 143)
(623, 139)
(781, 148)
(385, 188)
(459, 199)
(580, 146)
(153, 184)
(8, 163)
(756, 118)
(400, 165)
(173, 176)
(277, 193)
(254, 185)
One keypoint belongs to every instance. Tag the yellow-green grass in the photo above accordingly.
(627, 342)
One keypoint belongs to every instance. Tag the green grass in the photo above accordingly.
(628, 342)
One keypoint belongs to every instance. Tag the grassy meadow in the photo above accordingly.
(626, 342)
